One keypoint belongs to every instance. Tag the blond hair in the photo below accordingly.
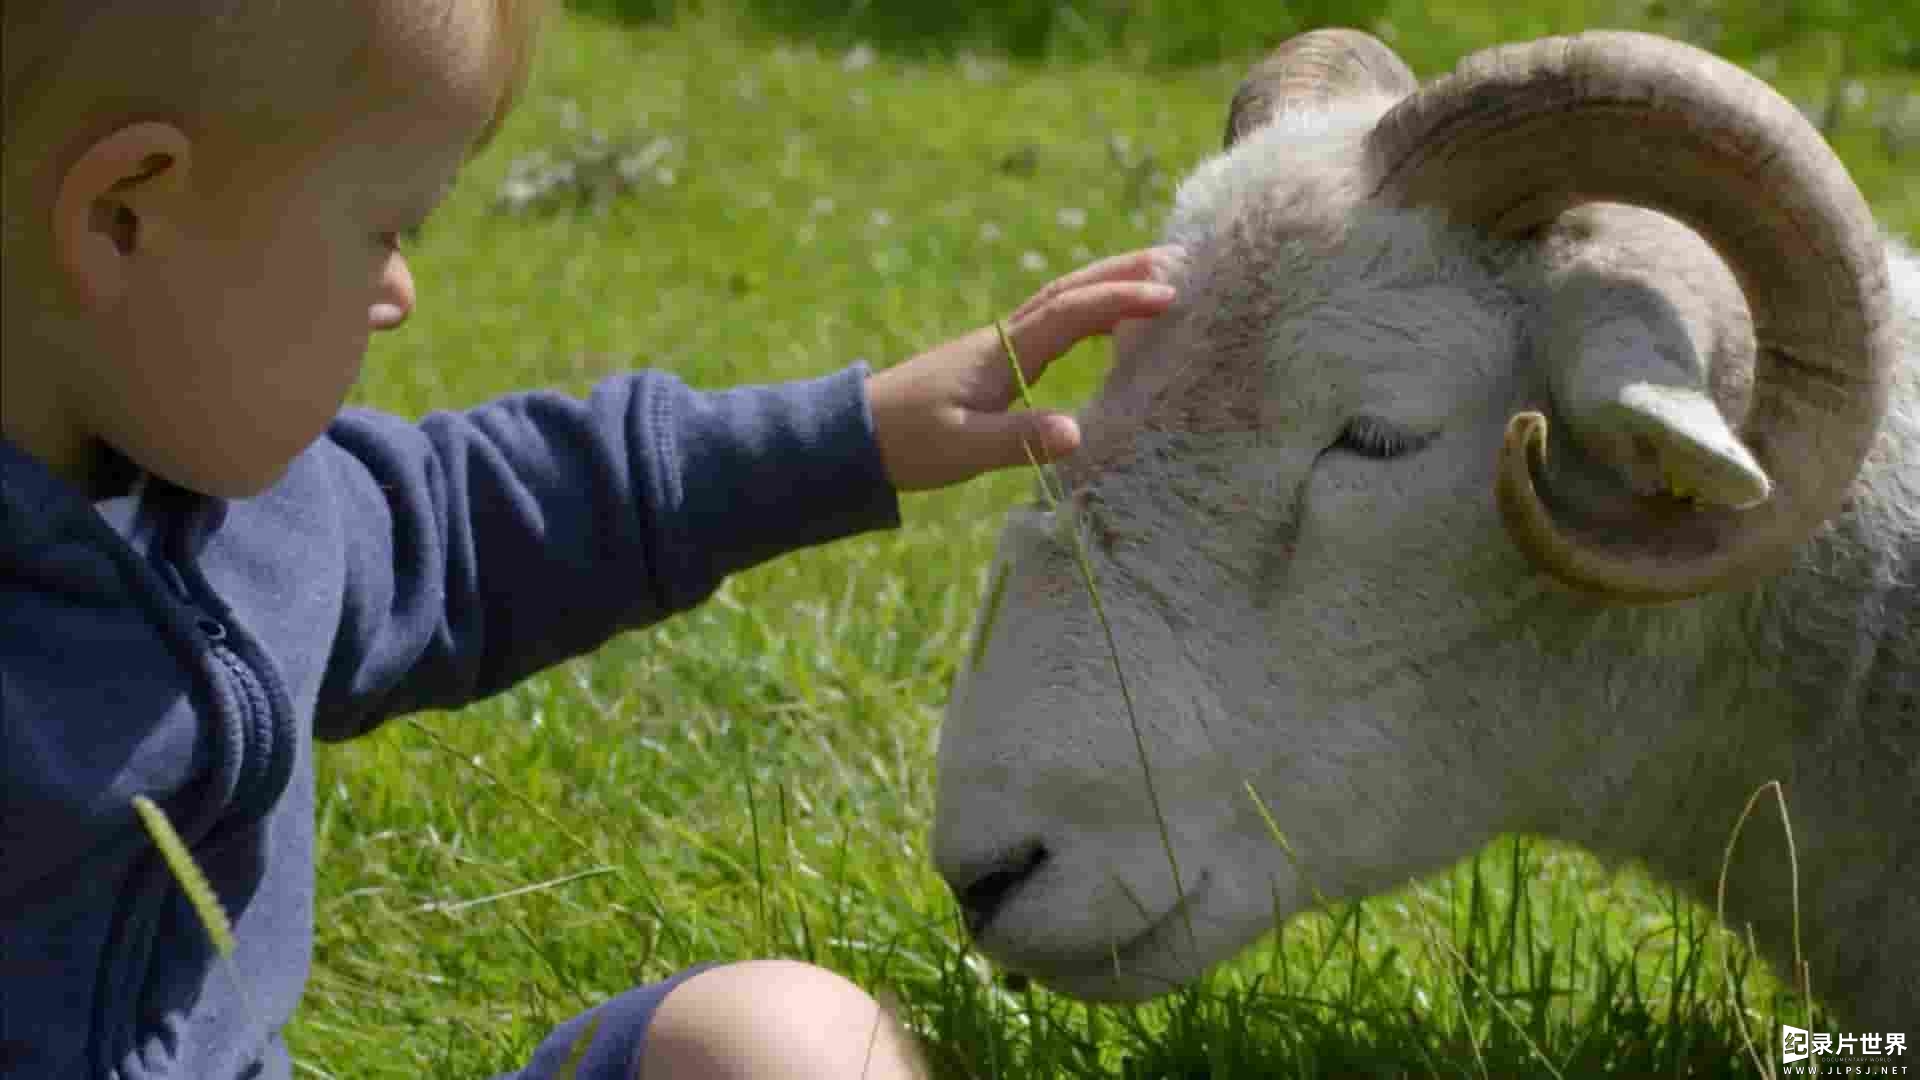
(265, 71)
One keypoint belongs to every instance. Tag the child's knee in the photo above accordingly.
(766, 1018)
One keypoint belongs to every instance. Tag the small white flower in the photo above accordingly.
(664, 176)
(822, 206)
(989, 232)
(518, 191)
(880, 219)
(1854, 93)
(1033, 261)
(1070, 217)
(630, 169)
(858, 58)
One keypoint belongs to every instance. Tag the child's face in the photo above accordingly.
(244, 331)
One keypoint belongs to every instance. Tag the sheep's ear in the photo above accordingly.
(1632, 385)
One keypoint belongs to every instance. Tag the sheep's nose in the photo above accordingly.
(984, 890)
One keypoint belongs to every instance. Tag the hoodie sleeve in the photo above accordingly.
(485, 545)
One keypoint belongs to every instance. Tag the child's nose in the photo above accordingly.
(395, 298)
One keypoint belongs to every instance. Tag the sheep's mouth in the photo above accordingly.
(1085, 972)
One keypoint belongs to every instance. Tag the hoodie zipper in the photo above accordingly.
(254, 748)
(248, 744)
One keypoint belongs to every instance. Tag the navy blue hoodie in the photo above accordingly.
(191, 649)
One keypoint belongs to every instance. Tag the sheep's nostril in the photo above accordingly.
(981, 899)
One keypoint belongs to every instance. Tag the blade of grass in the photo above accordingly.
(1720, 909)
(995, 593)
(206, 904)
(469, 760)
(1113, 649)
(1281, 839)
(185, 871)
(455, 906)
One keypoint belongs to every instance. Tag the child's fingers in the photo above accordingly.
(1141, 265)
(1047, 436)
(1004, 440)
(1055, 326)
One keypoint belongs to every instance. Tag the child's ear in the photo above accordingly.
(123, 197)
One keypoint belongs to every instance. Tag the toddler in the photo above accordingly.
(206, 563)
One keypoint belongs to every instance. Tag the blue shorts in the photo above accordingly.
(615, 1051)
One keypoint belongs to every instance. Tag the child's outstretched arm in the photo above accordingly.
(478, 547)
(941, 417)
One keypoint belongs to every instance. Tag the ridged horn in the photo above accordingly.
(1519, 134)
(1312, 70)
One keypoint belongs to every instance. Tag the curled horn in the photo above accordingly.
(1312, 70)
(1519, 134)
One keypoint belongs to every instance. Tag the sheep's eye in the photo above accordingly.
(1372, 437)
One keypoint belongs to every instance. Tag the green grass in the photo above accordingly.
(755, 778)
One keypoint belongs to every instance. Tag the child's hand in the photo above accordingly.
(941, 417)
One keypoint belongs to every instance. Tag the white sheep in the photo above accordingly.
(1465, 491)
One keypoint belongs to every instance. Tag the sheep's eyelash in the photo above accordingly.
(1373, 437)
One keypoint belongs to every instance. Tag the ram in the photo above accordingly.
(1535, 450)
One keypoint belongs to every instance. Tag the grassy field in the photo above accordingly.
(755, 778)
